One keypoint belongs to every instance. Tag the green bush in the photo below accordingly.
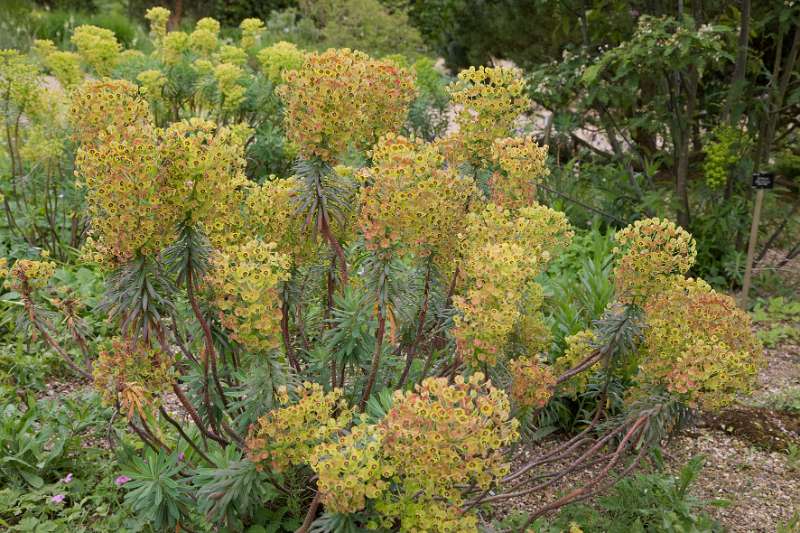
(57, 25)
(364, 25)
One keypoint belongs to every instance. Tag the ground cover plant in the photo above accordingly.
(359, 340)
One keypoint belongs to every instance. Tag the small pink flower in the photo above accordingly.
(121, 480)
(67, 479)
(58, 498)
(180, 456)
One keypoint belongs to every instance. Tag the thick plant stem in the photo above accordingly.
(412, 351)
(64, 355)
(376, 360)
(210, 356)
(635, 434)
(438, 341)
(287, 341)
(183, 434)
(336, 247)
(196, 417)
(29, 308)
(310, 515)
(327, 315)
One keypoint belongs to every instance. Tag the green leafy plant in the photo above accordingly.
(658, 501)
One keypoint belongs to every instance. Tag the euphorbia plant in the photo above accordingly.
(358, 342)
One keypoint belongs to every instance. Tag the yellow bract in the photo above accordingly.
(142, 181)
(579, 347)
(343, 99)
(437, 439)
(502, 253)
(101, 106)
(488, 101)
(287, 435)
(351, 469)
(271, 216)
(523, 165)
(699, 345)
(252, 28)
(133, 375)
(279, 58)
(531, 382)
(98, 47)
(411, 201)
(27, 274)
(158, 17)
(245, 281)
(653, 252)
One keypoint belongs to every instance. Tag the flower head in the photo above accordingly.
(343, 99)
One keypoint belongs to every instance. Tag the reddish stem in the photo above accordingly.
(376, 360)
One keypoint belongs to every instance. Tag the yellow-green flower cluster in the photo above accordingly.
(438, 439)
(531, 333)
(540, 230)
(101, 106)
(158, 17)
(722, 152)
(351, 469)
(286, 436)
(699, 345)
(252, 28)
(142, 181)
(653, 252)
(579, 347)
(271, 210)
(152, 83)
(126, 195)
(43, 144)
(204, 168)
(412, 199)
(502, 253)
(228, 76)
(416, 514)
(232, 54)
(343, 99)
(523, 165)
(531, 382)
(279, 58)
(412, 465)
(204, 38)
(245, 281)
(65, 66)
(495, 277)
(488, 101)
(41, 48)
(98, 47)
(175, 44)
(20, 79)
(27, 274)
(133, 375)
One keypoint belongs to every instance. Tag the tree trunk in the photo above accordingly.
(684, 136)
(778, 95)
(732, 110)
